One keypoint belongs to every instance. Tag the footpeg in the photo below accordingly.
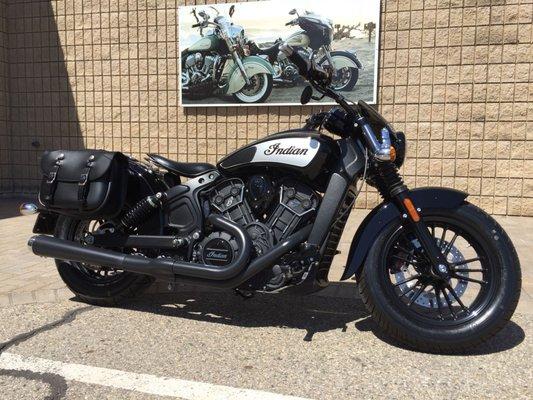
(245, 294)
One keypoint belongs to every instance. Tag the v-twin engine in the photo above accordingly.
(270, 212)
(198, 69)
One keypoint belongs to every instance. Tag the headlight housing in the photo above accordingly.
(399, 143)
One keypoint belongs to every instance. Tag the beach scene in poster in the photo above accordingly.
(230, 53)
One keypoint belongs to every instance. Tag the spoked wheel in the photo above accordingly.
(100, 285)
(463, 294)
(97, 274)
(257, 91)
(449, 314)
(345, 79)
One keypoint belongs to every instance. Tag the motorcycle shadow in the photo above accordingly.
(312, 314)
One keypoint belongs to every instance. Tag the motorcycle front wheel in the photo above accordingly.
(436, 315)
(344, 79)
(257, 91)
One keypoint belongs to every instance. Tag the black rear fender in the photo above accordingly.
(45, 223)
(385, 213)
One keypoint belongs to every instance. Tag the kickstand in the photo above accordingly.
(245, 294)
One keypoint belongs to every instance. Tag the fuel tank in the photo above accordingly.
(306, 155)
(208, 42)
(298, 39)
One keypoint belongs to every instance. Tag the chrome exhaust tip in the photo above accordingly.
(31, 241)
(28, 209)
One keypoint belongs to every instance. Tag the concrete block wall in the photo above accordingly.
(455, 75)
(6, 178)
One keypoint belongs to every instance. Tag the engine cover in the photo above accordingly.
(218, 248)
(227, 198)
(297, 205)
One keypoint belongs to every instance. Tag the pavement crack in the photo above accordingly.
(22, 337)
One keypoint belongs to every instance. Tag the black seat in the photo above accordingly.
(189, 170)
(271, 52)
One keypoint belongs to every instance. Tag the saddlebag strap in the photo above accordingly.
(49, 187)
(83, 184)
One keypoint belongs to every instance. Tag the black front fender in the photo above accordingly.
(385, 213)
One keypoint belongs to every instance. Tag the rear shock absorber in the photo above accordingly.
(141, 211)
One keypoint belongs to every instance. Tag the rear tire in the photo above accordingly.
(89, 286)
(452, 336)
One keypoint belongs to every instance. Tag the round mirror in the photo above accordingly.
(292, 12)
(306, 95)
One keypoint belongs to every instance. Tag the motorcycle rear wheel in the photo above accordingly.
(95, 285)
(435, 316)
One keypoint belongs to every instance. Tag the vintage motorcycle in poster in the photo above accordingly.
(313, 41)
(218, 64)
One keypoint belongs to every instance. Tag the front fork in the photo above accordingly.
(391, 187)
(240, 64)
(427, 245)
(327, 51)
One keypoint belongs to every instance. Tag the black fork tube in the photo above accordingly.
(431, 250)
(392, 187)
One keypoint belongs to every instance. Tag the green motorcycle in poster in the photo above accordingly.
(219, 64)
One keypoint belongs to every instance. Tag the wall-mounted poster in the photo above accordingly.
(230, 53)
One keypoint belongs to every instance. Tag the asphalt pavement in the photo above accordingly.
(216, 345)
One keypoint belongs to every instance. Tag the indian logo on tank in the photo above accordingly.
(295, 151)
(291, 150)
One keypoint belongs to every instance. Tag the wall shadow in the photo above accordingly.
(42, 105)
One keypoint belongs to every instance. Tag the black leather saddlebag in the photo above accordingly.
(85, 183)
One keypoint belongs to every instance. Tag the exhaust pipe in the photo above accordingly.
(28, 209)
(164, 268)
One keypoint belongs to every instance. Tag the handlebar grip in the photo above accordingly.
(196, 25)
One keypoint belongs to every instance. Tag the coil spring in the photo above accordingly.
(141, 211)
(388, 180)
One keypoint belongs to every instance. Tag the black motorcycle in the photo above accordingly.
(436, 272)
(312, 42)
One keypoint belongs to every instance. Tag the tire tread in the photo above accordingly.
(392, 329)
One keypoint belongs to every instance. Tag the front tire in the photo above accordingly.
(436, 321)
(257, 92)
(344, 79)
(104, 286)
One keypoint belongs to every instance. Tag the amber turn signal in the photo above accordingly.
(409, 206)
(392, 153)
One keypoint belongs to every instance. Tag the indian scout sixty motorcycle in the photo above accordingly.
(436, 272)
(312, 41)
(217, 63)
